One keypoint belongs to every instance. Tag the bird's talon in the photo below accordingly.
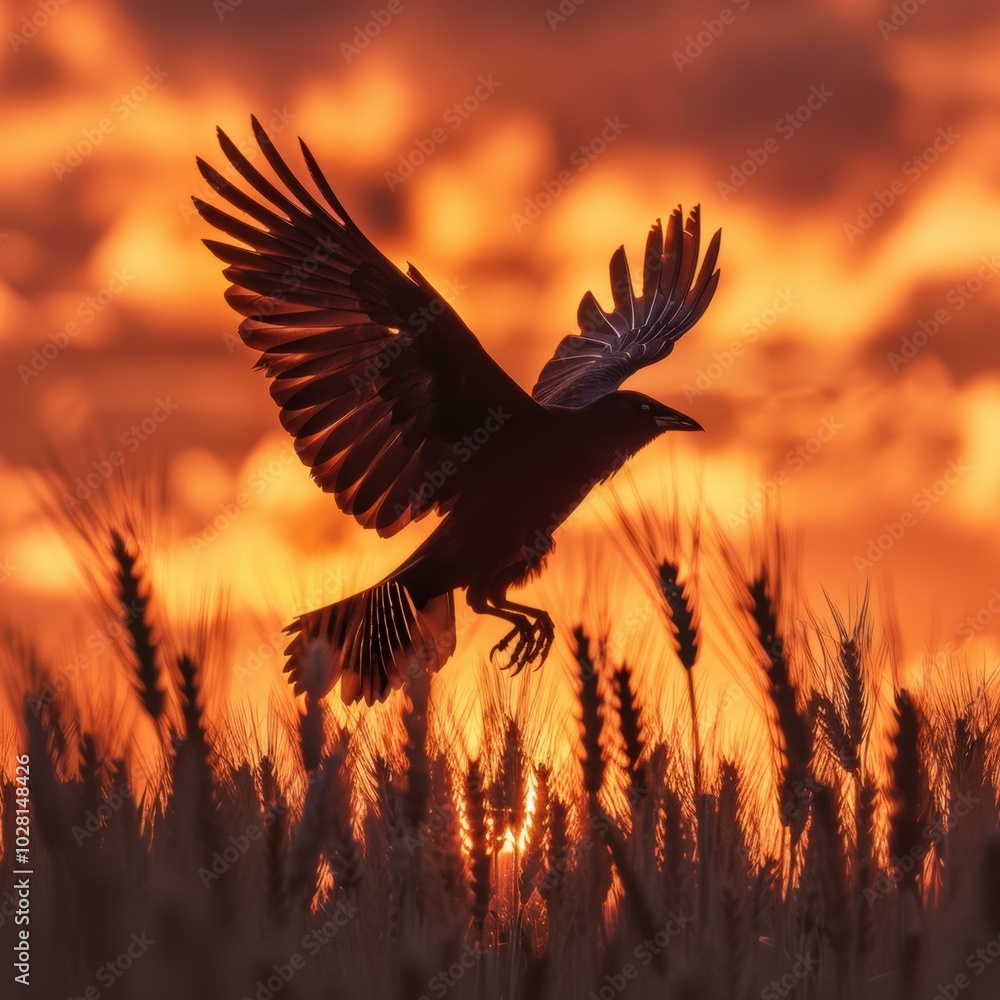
(501, 646)
(533, 643)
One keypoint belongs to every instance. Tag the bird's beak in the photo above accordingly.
(677, 421)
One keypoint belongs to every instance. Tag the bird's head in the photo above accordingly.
(636, 419)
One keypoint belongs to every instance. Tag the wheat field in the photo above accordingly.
(385, 854)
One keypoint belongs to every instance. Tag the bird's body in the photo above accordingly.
(399, 411)
(559, 455)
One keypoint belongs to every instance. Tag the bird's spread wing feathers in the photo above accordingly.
(376, 375)
(641, 329)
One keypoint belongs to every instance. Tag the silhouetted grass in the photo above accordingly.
(375, 859)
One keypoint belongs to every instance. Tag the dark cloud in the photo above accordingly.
(953, 321)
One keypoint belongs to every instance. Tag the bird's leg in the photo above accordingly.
(534, 629)
(522, 632)
(537, 641)
(480, 602)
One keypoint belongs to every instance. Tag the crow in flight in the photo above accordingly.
(398, 411)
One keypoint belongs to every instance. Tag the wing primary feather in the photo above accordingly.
(242, 201)
(278, 165)
(319, 178)
(642, 329)
(707, 271)
(652, 265)
(621, 288)
(238, 230)
(260, 183)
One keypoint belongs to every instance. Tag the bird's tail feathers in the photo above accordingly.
(372, 642)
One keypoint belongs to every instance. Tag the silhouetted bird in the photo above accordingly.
(399, 411)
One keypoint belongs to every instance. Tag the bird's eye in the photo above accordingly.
(645, 406)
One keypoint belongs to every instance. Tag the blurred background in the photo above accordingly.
(847, 371)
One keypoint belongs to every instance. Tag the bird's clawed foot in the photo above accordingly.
(533, 641)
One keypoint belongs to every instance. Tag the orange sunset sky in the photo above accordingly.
(848, 367)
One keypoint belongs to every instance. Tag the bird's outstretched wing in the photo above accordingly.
(641, 329)
(376, 375)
